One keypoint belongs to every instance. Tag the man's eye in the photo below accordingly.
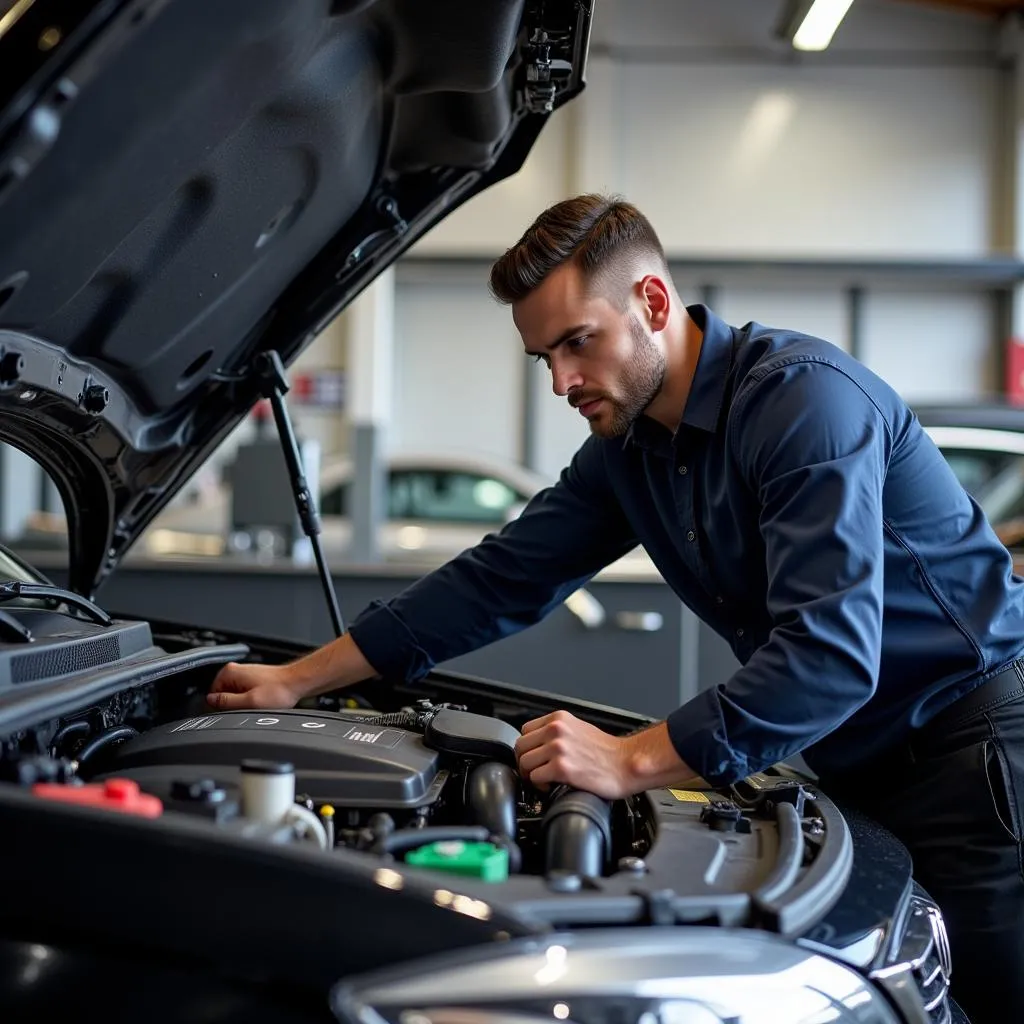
(579, 342)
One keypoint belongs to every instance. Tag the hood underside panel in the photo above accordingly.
(185, 184)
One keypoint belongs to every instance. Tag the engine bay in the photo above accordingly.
(432, 780)
(416, 785)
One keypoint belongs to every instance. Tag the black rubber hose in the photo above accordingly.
(104, 739)
(789, 858)
(70, 729)
(491, 795)
(577, 833)
(409, 838)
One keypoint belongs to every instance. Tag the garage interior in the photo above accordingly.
(870, 193)
(247, 332)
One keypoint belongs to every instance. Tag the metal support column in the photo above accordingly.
(370, 356)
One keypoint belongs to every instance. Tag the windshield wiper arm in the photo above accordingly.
(11, 590)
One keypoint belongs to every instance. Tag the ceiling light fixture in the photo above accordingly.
(811, 24)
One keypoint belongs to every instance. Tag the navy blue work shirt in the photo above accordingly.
(802, 512)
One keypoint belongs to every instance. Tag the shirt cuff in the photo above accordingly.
(388, 644)
(698, 734)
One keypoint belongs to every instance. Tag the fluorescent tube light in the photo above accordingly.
(820, 23)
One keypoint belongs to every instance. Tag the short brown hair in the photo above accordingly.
(595, 231)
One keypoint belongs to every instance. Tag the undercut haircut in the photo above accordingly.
(603, 235)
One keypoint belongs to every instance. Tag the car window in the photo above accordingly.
(334, 501)
(994, 479)
(1002, 497)
(976, 469)
(450, 496)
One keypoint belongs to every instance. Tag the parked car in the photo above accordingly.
(984, 444)
(188, 193)
(436, 504)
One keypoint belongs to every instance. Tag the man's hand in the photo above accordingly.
(253, 686)
(337, 664)
(561, 748)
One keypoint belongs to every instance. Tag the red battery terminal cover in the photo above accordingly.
(121, 795)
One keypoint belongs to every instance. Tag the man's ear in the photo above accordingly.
(657, 301)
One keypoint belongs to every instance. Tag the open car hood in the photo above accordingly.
(184, 185)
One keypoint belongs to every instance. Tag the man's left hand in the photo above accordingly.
(561, 748)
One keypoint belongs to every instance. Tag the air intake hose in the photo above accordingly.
(491, 795)
(577, 833)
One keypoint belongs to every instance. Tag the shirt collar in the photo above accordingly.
(713, 365)
(707, 390)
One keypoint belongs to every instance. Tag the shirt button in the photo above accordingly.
(682, 471)
(740, 632)
(691, 535)
(719, 599)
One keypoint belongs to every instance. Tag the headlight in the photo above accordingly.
(633, 976)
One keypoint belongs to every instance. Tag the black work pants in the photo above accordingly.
(955, 797)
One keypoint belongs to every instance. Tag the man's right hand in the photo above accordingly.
(240, 686)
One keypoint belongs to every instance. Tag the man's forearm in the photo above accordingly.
(337, 664)
(652, 762)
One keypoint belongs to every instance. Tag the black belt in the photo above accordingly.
(1006, 685)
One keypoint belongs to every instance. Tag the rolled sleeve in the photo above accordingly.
(814, 448)
(509, 581)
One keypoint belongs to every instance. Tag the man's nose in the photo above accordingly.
(564, 378)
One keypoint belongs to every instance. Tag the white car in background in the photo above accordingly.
(436, 505)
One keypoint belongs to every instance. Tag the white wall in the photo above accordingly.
(805, 305)
(809, 162)
(926, 342)
(459, 366)
(929, 343)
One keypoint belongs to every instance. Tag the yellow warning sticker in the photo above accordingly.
(690, 796)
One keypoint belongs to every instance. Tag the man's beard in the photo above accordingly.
(642, 379)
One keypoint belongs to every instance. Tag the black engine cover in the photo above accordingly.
(337, 760)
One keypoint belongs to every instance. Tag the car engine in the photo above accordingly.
(436, 778)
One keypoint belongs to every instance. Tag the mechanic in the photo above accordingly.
(793, 501)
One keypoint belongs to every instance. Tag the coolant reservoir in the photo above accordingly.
(268, 790)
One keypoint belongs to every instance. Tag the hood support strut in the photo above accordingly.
(269, 370)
